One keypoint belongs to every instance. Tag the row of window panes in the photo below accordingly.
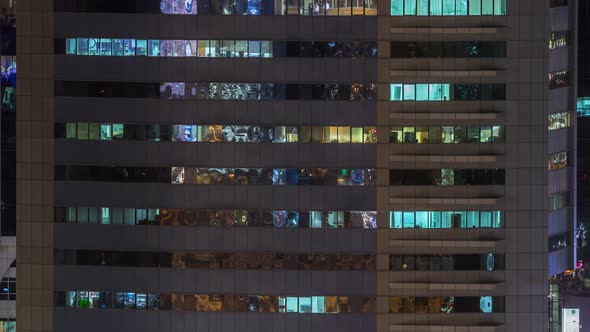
(558, 120)
(448, 7)
(214, 302)
(448, 49)
(442, 92)
(447, 177)
(460, 262)
(446, 219)
(207, 176)
(216, 133)
(217, 218)
(559, 39)
(583, 106)
(558, 161)
(169, 48)
(223, 7)
(219, 91)
(446, 304)
(214, 48)
(447, 135)
(216, 261)
(559, 79)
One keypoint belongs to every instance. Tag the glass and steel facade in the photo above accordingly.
(257, 165)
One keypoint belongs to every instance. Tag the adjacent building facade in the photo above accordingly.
(294, 166)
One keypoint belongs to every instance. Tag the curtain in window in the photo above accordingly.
(436, 7)
(475, 7)
(461, 7)
(487, 7)
(422, 7)
(448, 7)
(410, 7)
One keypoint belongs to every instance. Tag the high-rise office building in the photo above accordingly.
(260, 165)
(7, 166)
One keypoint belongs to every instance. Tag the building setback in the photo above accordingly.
(251, 165)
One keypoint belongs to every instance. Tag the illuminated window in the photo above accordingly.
(558, 161)
(419, 92)
(446, 219)
(448, 7)
(558, 121)
(559, 39)
(559, 79)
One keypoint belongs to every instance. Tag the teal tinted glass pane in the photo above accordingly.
(292, 304)
(153, 47)
(71, 214)
(499, 7)
(106, 46)
(498, 219)
(446, 92)
(129, 47)
(435, 219)
(317, 304)
(117, 216)
(473, 219)
(486, 219)
(93, 215)
(422, 219)
(410, 7)
(129, 217)
(118, 130)
(395, 219)
(118, 47)
(396, 92)
(397, 7)
(422, 92)
(83, 215)
(71, 46)
(105, 216)
(458, 219)
(448, 7)
(445, 219)
(409, 221)
(487, 7)
(436, 7)
(422, 7)
(435, 91)
(409, 92)
(141, 47)
(93, 44)
(305, 305)
(105, 132)
(475, 7)
(82, 46)
(461, 7)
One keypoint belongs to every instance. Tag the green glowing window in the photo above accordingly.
(448, 7)
(71, 46)
(410, 7)
(422, 7)
(397, 7)
(436, 7)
